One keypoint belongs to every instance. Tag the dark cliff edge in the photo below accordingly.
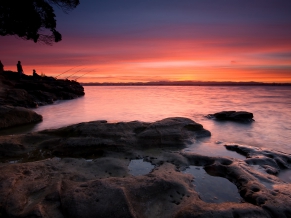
(31, 92)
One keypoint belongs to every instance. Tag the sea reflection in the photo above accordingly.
(271, 107)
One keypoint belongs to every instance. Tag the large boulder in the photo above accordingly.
(92, 138)
(15, 116)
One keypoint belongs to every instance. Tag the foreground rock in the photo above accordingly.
(15, 116)
(239, 116)
(271, 161)
(90, 175)
(93, 138)
(32, 92)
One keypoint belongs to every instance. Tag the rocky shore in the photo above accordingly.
(237, 116)
(83, 171)
(29, 92)
(15, 116)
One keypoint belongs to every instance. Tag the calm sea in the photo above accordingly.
(271, 106)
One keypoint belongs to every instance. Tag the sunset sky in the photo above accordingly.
(163, 40)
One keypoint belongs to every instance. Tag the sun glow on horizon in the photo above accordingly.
(163, 71)
(172, 59)
(163, 41)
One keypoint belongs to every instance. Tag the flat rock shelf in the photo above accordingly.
(83, 170)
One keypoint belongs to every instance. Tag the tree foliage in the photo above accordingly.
(32, 19)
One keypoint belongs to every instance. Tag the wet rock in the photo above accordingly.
(270, 170)
(15, 116)
(75, 184)
(239, 116)
(104, 187)
(92, 138)
(171, 132)
(68, 185)
(167, 132)
(250, 183)
(270, 160)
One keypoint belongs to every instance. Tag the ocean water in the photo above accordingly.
(271, 106)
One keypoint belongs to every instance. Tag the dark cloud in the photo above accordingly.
(112, 15)
(280, 55)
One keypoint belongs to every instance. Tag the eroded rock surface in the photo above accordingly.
(15, 116)
(271, 161)
(239, 116)
(82, 171)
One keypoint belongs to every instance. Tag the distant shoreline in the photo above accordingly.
(184, 83)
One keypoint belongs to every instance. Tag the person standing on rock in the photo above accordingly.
(1, 67)
(19, 69)
(35, 75)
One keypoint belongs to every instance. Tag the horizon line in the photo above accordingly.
(186, 83)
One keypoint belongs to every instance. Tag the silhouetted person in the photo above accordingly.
(35, 75)
(19, 69)
(1, 67)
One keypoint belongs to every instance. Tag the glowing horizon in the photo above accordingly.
(173, 43)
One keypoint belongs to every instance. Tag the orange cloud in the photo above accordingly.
(179, 57)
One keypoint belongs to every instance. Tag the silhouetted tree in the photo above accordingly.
(32, 19)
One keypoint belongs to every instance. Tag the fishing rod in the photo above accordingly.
(83, 74)
(67, 71)
(76, 72)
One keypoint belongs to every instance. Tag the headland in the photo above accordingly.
(19, 93)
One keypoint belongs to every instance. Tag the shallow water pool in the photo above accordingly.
(140, 167)
(213, 189)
